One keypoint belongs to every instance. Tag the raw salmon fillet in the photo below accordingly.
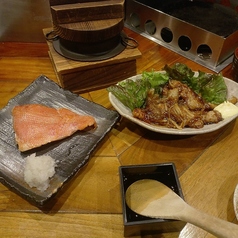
(37, 125)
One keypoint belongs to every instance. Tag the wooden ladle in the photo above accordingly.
(154, 199)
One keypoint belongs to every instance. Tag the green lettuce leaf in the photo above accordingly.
(215, 91)
(157, 79)
(211, 87)
(133, 94)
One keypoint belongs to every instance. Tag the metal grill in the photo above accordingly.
(204, 32)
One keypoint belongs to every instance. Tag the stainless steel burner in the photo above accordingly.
(204, 32)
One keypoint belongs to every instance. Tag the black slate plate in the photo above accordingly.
(70, 154)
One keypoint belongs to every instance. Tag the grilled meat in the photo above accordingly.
(177, 107)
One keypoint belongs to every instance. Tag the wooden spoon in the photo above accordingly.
(153, 199)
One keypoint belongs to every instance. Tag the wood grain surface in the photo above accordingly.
(90, 204)
(91, 11)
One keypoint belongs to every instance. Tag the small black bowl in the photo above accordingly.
(135, 224)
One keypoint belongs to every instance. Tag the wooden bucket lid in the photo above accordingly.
(90, 31)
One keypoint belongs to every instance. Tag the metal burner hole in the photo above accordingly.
(184, 43)
(166, 34)
(150, 27)
(135, 20)
(204, 52)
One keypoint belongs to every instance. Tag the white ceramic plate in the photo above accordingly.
(126, 112)
(235, 201)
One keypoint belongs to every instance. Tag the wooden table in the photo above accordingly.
(90, 205)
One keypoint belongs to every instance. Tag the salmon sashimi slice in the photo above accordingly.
(36, 125)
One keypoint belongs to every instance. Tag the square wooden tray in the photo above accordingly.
(80, 77)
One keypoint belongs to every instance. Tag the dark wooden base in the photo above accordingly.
(80, 77)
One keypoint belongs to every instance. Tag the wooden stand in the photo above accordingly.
(80, 77)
